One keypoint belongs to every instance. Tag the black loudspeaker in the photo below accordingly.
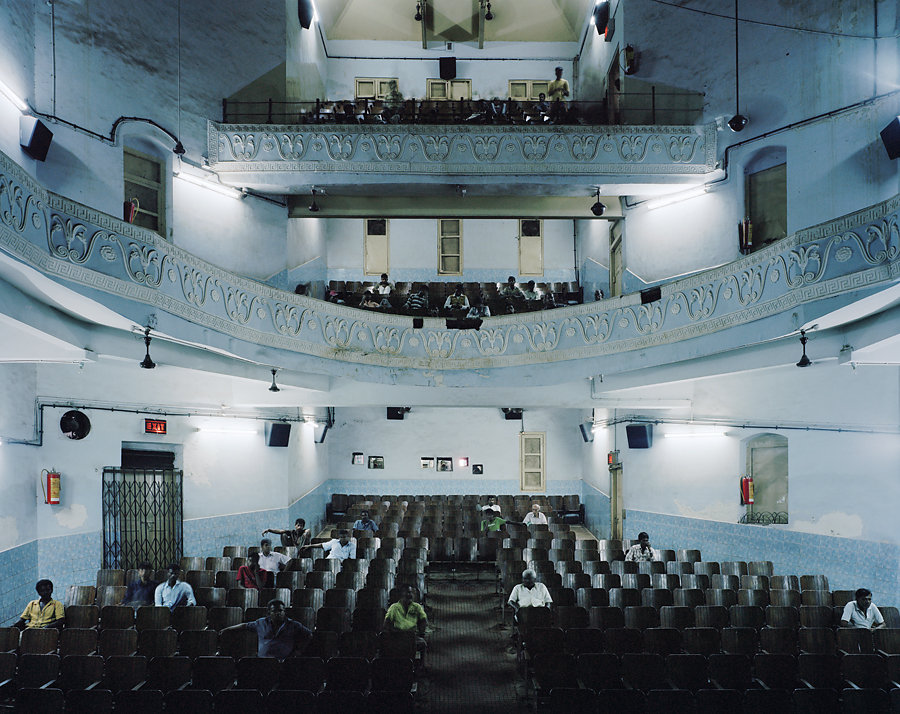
(890, 135)
(305, 12)
(587, 431)
(34, 137)
(640, 436)
(278, 434)
(396, 413)
(512, 414)
(650, 295)
(448, 67)
(418, 323)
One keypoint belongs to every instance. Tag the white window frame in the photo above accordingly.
(368, 238)
(446, 89)
(532, 89)
(525, 269)
(441, 254)
(381, 87)
(159, 187)
(524, 485)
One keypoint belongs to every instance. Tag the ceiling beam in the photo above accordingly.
(424, 24)
(481, 22)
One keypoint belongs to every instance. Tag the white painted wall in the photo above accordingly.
(306, 64)
(19, 471)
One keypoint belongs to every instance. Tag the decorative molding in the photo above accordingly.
(68, 240)
(481, 150)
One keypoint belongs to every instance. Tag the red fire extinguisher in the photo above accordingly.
(50, 486)
(130, 209)
(746, 491)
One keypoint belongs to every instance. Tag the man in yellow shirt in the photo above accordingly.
(405, 615)
(43, 612)
(558, 90)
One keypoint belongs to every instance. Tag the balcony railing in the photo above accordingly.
(662, 108)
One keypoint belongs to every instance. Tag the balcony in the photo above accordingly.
(285, 147)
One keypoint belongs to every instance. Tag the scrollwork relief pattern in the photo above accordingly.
(62, 238)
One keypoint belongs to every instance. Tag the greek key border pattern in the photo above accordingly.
(68, 240)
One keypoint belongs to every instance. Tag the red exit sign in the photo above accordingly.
(154, 426)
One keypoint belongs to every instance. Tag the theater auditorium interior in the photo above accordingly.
(703, 228)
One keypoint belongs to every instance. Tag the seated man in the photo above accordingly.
(491, 520)
(141, 591)
(457, 302)
(534, 516)
(43, 612)
(492, 504)
(405, 615)
(510, 290)
(339, 548)
(417, 302)
(530, 293)
(174, 592)
(270, 560)
(297, 537)
(251, 576)
(279, 636)
(479, 309)
(369, 301)
(539, 111)
(642, 550)
(384, 287)
(529, 593)
(364, 523)
(861, 613)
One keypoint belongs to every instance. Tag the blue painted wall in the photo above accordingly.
(18, 574)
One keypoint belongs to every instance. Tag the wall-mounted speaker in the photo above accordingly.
(640, 436)
(651, 295)
(34, 137)
(396, 413)
(890, 135)
(587, 431)
(512, 414)
(448, 67)
(75, 425)
(305, 12)
(277, 433)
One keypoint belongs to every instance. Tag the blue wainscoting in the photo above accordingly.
(849, 563)
(70, 560)
(18, 574)
(207, 536)
(596, 511)
(311, 508)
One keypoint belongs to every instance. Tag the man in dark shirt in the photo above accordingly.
(279, 636)
(141, 591)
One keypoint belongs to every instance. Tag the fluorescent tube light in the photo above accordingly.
(211, 185)
(17, 101)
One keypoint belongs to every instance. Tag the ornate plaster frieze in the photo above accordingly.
(477, 150)
(71, 241)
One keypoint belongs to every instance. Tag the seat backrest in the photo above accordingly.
(78, 616)
(77, 641)
(38, 641)
(149, 617)
(118, 643)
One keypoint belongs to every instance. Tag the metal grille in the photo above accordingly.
(765, 518)
(142, 513)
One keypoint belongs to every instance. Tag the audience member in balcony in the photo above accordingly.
(642, 550)
(251, 576)
(298, 537)
(534, 516)
(300, 289)
(270, 560)
(540, 111)
(339, 548)
(370, 301)
(529, 593)
(279, 636)
(511, 290)
(490, 520)
(530, 293)
(861, 613)
(417, 302)
(364, 523)
(457, 302)
(478, 309)
(174, 592)
(558, 90)
(142, 590)
(43, 612)
(405, 615)
(385, 287)
(490, 503)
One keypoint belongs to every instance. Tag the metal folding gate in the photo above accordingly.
(142, 514)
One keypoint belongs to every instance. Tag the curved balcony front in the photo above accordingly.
(137, 273)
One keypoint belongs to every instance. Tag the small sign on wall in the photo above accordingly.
(357, 459)
(154, 426)
(376, 462)
(426, 462)
(445, 463)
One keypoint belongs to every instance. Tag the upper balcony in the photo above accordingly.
(285, 147)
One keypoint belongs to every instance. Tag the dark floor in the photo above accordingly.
(469, 666)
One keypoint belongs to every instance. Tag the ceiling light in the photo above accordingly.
(314, 207)
(147, 363)
(17, 101)
(211, 185)
(488, 16)
(676, 197)
(694, 435)
(418, 17)
(598, 209)
(274, 387)
(804, 360)
(738, 122)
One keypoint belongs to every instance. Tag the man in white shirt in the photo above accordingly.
(174, 592)
(339, 548)
(270, 560)
(642, 550)
(861, 613)
(534, 516)
(529, 593)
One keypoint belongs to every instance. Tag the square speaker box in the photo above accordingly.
(395, 413)
(640, 436)
(587, 431)
(34, 137)
(277, 433)
(890, 135)
(448, 67)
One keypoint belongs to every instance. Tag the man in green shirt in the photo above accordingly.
(405, 615)
(491, 520)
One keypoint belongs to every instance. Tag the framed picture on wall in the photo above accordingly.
(445, 463)
(357, 458)
(477, 469)
(376, 462)
(426, 462)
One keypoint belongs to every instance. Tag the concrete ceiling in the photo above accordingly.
(454, 20)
